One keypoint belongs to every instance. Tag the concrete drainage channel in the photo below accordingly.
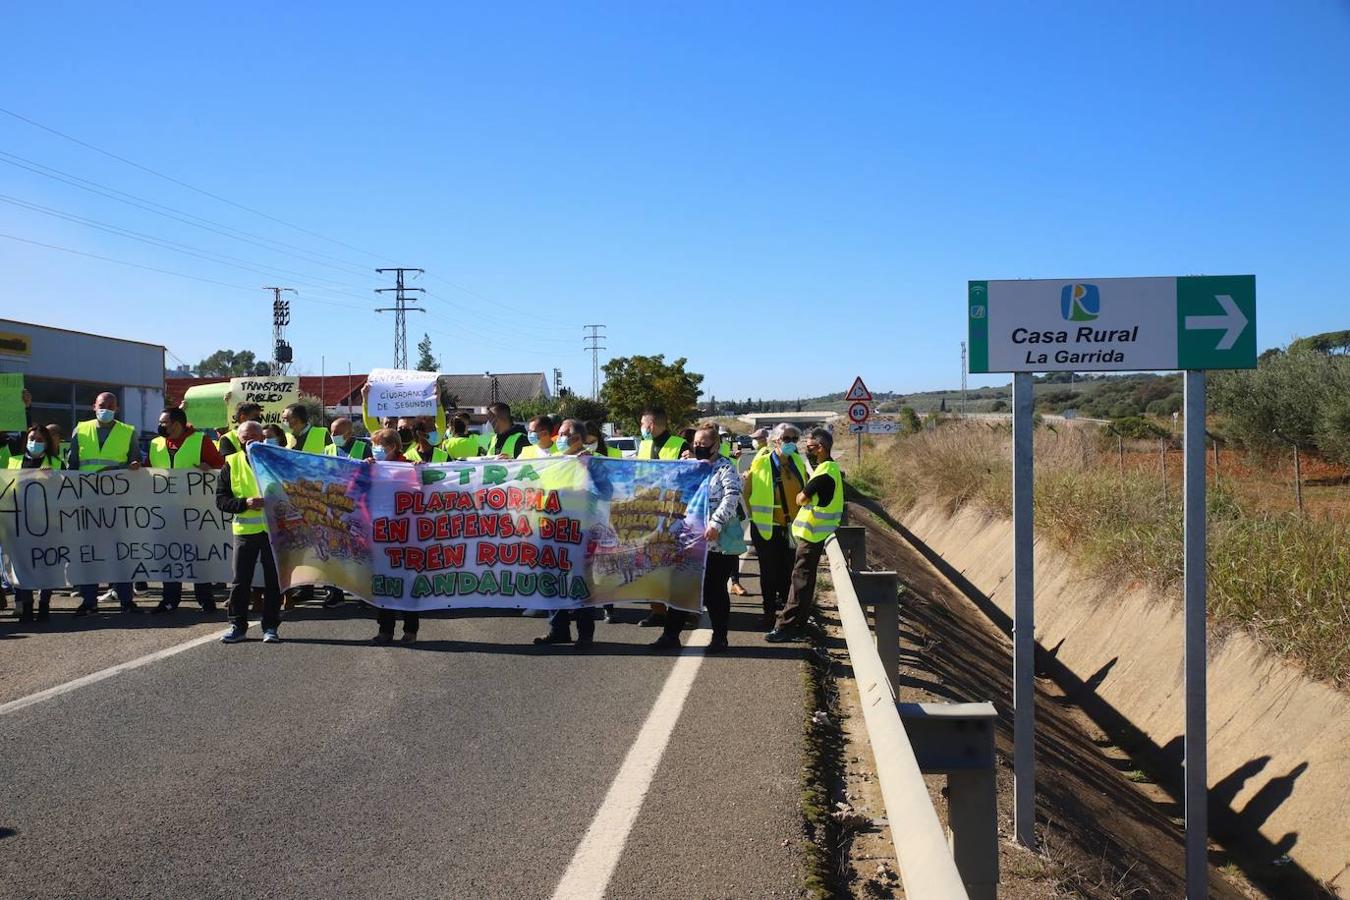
(911, 740)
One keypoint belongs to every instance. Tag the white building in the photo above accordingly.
(65, 371)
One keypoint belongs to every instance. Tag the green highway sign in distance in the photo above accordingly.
(1113, 324)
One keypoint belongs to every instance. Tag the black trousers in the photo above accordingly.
(385, 619)
(716, 600)
(249, 551)
(802, 596)
(23, 601)
(560, 622)
(775, 566)
(202, 591)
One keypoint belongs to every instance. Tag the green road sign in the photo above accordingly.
(1113, 324)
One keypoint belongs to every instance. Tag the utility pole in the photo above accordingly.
(963, 379)
(557, 382)
(281, 317)
(400, 308)
(592, 343)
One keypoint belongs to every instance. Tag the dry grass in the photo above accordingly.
(1284, 579)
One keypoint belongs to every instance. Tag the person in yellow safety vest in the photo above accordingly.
(460, 444)
(104, 443)
(571, 441)
(344, 445)
(180, 446)
(658, 443)
(540, 436)
(40, 451)
(243, 412)
(508, 438)
(425, 445)
(822, 508)
(776, 476)
(304, 437)
(237, 493)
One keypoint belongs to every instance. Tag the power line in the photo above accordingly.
(400, 310)
(281, 317)
(181, 183)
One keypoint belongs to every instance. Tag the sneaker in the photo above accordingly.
(409, 637)
(209, 609)
(653, 620)
(665, 642)
(717, 645)
(382, 638)
(553, 637)
(161, 609)
(535, 613)
(332, 601)
(608, 616)
(234, 635)
(270, 636)
(108, 597)
(132, 609)
(584, 644)
(781, 636)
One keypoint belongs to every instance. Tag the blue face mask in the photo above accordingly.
(534, 438)
(434, 437)
(36, 449)
(342, 441)
(105, 416)
(788, 448)
(562, 444)
(646, 434)
(275, 442)
(379, 452)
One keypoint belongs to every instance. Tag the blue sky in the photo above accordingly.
(787, 194)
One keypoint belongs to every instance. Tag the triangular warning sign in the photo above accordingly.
(859, 392)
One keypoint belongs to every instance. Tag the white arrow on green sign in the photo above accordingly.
(1113, 324)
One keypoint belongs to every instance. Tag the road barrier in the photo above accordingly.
(910, 740)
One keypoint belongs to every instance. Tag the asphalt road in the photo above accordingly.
(469, 765)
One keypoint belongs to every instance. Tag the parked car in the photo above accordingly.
(627, 445)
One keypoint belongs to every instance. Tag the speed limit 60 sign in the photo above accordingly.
(859, 412)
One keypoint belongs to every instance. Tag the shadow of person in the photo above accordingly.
(1226, 789)
(1268, 799)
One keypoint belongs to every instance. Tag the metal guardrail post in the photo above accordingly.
(881, 591)
(853, 541)
(957, 740)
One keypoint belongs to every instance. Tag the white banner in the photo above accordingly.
(273, 394)
(61, 529)
(399, 392)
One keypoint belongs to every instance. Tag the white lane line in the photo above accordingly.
(102, 674)
(597, 855)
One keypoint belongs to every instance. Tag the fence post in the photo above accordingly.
(853, 541)
(881, 591)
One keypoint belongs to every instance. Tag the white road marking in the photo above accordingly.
(102, 674)
(597, 855)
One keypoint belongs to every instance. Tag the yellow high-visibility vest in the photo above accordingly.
(113, 452)
(673, 448)
(189, 454)
(244, 485)
(48, 462)
(314, 441)
(816, 523)
(762, 500)
(465, 447)
(412, 454)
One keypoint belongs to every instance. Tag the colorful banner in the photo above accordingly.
(61, 529)
(400, 392)
(561, 532)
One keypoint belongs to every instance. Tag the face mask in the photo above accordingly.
(275, 442)
(704, 453)
(534, 438)
(105, 416)
(788, 448)
(405, 435)
(342, 441)
(434, 436)
(379, 452)
(563, 444)
(36, 449)
(487, 428)
(162, 431)
(592, 446)
(646, 434)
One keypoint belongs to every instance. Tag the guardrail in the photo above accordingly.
(954, 739)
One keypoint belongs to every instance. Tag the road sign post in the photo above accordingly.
(858, 397)
(1190, 323)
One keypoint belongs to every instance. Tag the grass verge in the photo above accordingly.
(822, 773)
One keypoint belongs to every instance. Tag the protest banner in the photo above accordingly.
(562, 532)
(60, 529)
(272, 393)
(12, 417)
(400, 392)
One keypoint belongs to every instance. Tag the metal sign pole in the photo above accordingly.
(1024, 615)
(1197, 763)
